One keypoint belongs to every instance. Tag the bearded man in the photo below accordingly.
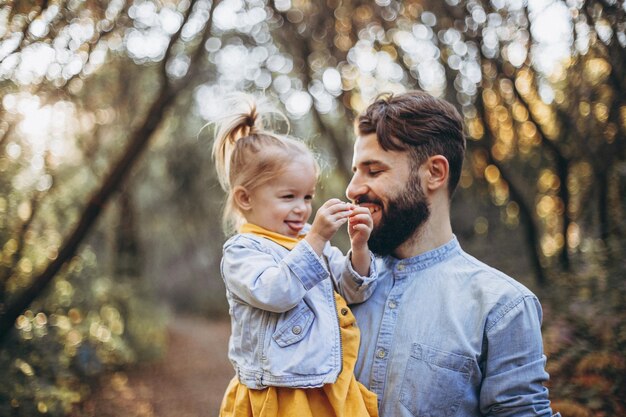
(443, 334)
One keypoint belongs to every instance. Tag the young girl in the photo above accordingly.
(294, 340)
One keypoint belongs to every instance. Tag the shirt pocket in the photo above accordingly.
(434, 382)
(294, 325)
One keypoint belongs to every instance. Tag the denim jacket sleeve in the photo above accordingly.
(254, 275)
(514, 367)
(352, 286)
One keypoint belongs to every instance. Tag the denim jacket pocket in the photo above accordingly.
(434, 381)
(294, 326)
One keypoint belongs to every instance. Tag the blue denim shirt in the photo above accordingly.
(446, 335)
(285, 330)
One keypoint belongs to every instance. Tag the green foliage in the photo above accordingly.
(585, 341)
(87, 324)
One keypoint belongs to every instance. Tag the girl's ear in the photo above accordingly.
(241, 197)
(437, 172)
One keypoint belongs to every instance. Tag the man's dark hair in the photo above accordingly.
(419, 123)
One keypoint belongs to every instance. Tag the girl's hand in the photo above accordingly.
(360, 227)
(328, 219)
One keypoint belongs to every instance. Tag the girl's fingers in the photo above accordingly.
(361, 219)
(338, 215)
(340, 207)
(327, 207)
(360, 210)
(341, 221)
(334, 217)
(360, 216)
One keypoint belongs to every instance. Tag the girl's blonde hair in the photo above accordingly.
(248, 153)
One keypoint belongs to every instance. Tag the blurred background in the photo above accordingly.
(110, 235)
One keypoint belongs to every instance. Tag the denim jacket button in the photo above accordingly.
(296, 329)
(400, 267)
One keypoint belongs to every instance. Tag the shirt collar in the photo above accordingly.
(424, 260)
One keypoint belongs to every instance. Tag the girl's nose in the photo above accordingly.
(300, 207)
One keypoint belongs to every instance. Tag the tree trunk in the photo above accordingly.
(127, 262)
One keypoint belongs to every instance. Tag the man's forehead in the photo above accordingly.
(367, 151)
(367, 143)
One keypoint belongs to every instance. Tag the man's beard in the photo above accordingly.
(400, 218)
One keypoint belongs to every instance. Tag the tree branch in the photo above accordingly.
(305, 51)
(94, 207)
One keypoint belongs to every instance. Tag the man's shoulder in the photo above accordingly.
(490, 278)
(498, 290)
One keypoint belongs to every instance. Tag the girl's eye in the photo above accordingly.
(375, 173)
(308, 197)
(287, 196)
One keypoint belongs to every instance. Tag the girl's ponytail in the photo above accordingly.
(241, 120)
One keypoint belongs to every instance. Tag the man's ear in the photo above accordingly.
(241, 197)
(437, 172)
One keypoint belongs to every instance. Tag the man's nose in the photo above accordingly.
(355, 188)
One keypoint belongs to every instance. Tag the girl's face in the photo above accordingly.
(283, 205)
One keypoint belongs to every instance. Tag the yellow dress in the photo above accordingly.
(345, 398)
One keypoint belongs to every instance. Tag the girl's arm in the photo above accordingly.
(352, 286)
(258, 279)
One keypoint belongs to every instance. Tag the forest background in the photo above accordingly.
(110, 209)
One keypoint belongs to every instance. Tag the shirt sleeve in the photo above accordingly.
(352, 286)
(258, 279)
(514, 367)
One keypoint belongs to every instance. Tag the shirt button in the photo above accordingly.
(296, 329)
(381, 353)
(392, 304)
(344, 311)
(400, 267)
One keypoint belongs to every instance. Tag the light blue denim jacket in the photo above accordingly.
(285, 330)
(445, 335)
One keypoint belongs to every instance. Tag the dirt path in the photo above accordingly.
(188, 382)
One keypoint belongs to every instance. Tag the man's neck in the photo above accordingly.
(436, 232)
